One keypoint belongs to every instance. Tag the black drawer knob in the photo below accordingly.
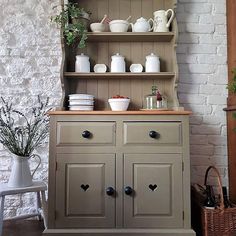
(153, 134)
(110, 191)
(128, 190)
(86, 134)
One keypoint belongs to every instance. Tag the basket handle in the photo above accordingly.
(219, 184)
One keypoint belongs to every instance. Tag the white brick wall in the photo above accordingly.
(202, 57)
(30, 57)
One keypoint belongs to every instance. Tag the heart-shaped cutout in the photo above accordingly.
(84, 187)
(152, 186)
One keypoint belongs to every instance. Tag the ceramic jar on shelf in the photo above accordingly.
(152, 63)
(82, 64)
(117, 63)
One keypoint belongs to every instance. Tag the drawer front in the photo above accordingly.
(86, 133)
(153, 133)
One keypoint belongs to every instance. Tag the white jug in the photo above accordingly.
(20, 172)
(142, 25)
(82, 64)
(117, 63)
(161, 22)
(152, 63)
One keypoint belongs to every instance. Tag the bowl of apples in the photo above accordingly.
(119, 103)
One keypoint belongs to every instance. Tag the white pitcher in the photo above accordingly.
(20, 172)
(161, 22)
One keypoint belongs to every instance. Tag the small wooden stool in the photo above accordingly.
(38, 186)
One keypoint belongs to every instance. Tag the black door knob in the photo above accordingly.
(153, 134)
(110, 191)
(128, 190)
(86, 134)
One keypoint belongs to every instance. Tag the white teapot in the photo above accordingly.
(117, 63)
(152, 63)
(142, 25)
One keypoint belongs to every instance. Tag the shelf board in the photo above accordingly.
(128, 75)
(130, 37)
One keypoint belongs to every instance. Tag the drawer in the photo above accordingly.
(153, 133)
(86, 133)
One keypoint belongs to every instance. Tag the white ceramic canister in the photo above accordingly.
(152, 63)
(117, 63)
(82, 64)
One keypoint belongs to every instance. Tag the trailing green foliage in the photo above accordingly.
(71, 21)
(22, 139)
(232, 85)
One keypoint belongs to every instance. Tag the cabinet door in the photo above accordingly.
(156, 200)
(81, 183)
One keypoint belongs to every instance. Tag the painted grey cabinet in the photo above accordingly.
(130, 176)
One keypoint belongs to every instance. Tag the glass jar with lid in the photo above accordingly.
(155, 100)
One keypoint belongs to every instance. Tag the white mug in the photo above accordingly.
(161, 22)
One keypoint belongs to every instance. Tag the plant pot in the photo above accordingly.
(20, 173)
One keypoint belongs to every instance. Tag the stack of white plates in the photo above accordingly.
(81, 102)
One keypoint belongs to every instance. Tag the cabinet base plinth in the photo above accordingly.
(119, 232)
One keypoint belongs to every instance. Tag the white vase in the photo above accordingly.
(20, 173)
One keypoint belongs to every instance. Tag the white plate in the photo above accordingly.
(80, 96)
(100, 68)
(80, 108)
(136, 68)
(81, 102)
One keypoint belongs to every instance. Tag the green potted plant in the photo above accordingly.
(74, 22)
(21, 134)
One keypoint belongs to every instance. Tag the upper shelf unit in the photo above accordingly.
(130, 37)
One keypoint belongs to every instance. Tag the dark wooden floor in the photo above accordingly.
(23, 228)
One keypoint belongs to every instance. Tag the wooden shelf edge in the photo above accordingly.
(130, 36)
(108, 75)
(169, 112)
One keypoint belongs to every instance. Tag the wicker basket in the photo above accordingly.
(220, 221)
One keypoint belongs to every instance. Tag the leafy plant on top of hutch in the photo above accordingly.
(73, 21)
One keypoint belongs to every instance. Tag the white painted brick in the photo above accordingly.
(212, 59)
(193, 78)
(198, 8)
(219, 8)
(195, 120)
(202, 49)
(221, 29)
(211, 89)
(192, 98)
(217, 140)
(213, 119)
(199, 109)
(220, 150)
(205, 129)
(189, 18)
(201, 149)
(198, 139)
(201, 28)
(188, 88)
(188, 38)
(216, 99)
(187, 59)
(202, 68)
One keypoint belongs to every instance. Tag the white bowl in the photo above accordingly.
(97, 27)
(119, 25)
(119, 104)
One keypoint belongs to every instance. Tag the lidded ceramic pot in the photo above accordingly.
(152, 63)
(82, 63)
(117, 63)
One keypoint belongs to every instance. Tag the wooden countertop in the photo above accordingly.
(156, 112)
